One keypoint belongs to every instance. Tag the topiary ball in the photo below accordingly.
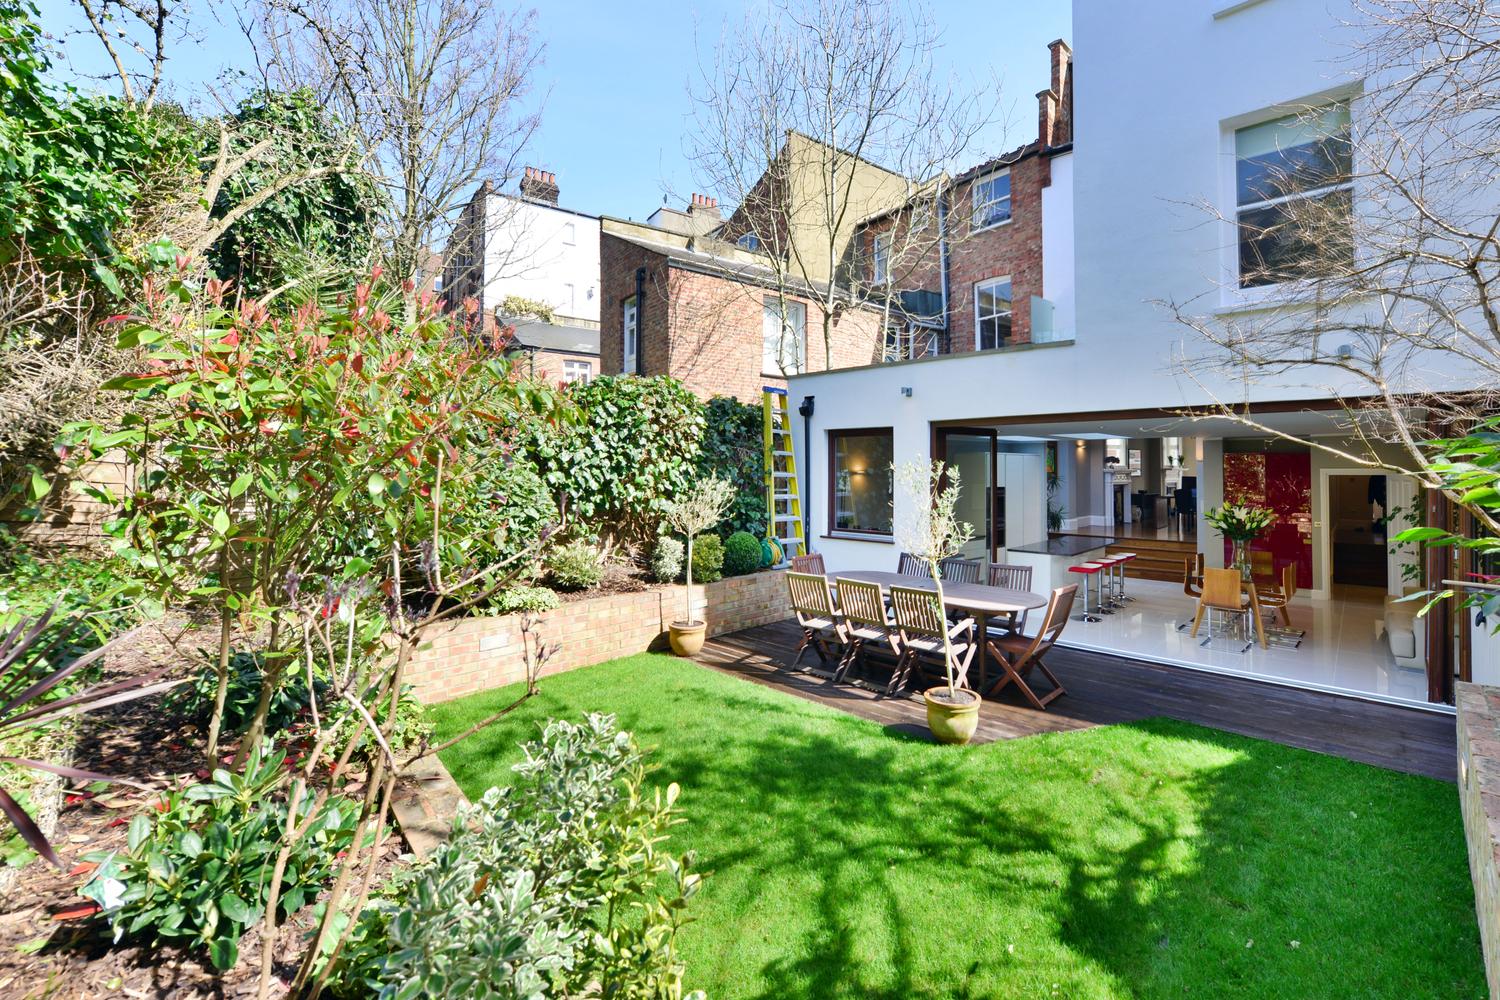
(741, 554)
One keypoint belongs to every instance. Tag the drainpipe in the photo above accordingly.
(806, 409)
(942, 221)
(640, 321)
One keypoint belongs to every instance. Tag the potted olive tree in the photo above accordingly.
(691, 514)
(929, 529)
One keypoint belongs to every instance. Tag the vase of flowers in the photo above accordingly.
(1240, 524)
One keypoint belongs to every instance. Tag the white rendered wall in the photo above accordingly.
(1057, 248)
(529, 253)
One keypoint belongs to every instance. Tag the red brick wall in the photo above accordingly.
(1013, 248)
(707, 330)
(477, 654)
(549, 364)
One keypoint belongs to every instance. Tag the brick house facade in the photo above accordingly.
(702, 314)
(982, 251)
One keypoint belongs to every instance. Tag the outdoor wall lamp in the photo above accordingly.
(906, 391)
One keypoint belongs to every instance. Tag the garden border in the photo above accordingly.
(1479, 796)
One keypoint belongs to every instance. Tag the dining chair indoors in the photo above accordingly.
(1224, 593)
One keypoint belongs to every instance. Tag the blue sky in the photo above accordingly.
(615, 78)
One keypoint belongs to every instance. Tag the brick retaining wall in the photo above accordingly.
(476, 654)
(1479, 795)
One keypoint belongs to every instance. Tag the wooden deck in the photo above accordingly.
(1108, 689)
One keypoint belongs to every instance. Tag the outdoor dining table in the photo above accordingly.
(978, 599)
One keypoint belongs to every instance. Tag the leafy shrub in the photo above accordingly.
(576, 565)
(741, 554)
(666, 559)
(411, 729)
(500, 512)
(732, 450)
(708, 559)
(523, 598)
(555, 886)
(199, 870)
(195, 699)
(634, 447)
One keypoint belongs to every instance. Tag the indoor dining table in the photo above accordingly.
(978, 599)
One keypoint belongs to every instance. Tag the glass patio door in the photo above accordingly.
(972, 454)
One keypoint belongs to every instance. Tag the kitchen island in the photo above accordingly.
(1049, 560)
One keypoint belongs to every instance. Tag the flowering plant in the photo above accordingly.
(1240, 523)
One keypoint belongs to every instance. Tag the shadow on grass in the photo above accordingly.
(1146, 859)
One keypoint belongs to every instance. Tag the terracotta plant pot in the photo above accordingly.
(687, 637)
(952, 722)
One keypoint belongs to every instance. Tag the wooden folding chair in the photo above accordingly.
(865, 619)
(813, 607)
(956, 570)
(921, 627)
(1192, 584)
(810, 563)
(1018, 655)
(911, 565)
(1010, 577)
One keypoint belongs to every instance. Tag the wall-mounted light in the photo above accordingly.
(906, 391)
(1079, 443)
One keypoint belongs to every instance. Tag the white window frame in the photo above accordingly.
(880, 258)
(1232, 298)
(748, 241)
(773, 354)
(981, 217)
(570, 234)
(630, 340)
(979, 286)
(577, 371)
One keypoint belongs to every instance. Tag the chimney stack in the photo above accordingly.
(539, 185)
(702, 204)
(1055, 105)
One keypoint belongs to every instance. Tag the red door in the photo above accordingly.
(1281, 481)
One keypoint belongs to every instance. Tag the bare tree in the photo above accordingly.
(816, 115)
(1380, 232)
(438, 90)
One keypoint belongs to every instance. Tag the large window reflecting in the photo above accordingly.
(862, 485)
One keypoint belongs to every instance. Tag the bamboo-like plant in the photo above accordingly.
(927, 526)
(693, 513)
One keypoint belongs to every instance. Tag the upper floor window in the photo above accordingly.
(905, 341)
(991, 196)
(748, 241)
(570, 234)
(630, 326)
(1293, 190)
(783, 336)
(992, 310)
(880, 258)
(577, 371)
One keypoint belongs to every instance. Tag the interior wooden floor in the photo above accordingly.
(1104, 689)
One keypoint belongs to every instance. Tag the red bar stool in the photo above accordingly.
(1088, 569)
(1108, 588)
(1125, 558)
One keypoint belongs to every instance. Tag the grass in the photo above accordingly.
(1148, 860)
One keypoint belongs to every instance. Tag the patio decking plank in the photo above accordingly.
(1104, 689)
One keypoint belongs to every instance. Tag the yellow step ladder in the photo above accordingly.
(783, 505)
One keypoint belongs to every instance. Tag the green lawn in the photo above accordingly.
(1150, 860)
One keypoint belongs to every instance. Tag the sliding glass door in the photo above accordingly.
(971, 453)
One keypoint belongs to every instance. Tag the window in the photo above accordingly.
(783, 338)
(991, 196)
(577, 371)
(570, 234)
(880, 258)
(570, 297)
(905, 341)
(632, 335)
(748, 241)
(1293, 184)
(992, 314)
(861, 485)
